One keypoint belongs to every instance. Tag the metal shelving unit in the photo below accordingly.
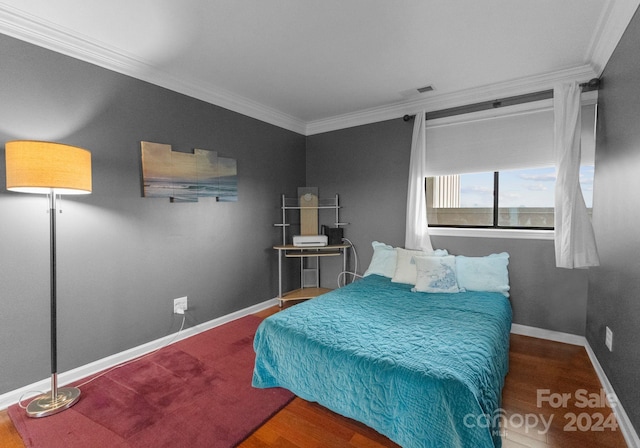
(309, 276)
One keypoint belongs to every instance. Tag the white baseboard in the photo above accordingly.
(31, 390)
(626, 428)
(12, 397)
(550, 335)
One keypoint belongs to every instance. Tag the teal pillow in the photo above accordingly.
(488, 273)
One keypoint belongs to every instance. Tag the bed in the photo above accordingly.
(424, 369)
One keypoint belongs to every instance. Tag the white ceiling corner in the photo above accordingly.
(311, 78)
(30, 28)
(612, 25)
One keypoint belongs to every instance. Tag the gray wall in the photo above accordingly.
(614, 287)
(122, 259)
(368, 166)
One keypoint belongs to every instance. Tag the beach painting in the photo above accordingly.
(185, 177)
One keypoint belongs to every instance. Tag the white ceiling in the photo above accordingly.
(312, 66)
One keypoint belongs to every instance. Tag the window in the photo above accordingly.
(525, 198)
(506, 150)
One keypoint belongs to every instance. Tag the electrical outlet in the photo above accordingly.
(180, 305)
(608, 339)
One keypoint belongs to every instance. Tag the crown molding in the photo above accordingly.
(460, 98)
(18, 24)
(612, 25)
(26, 27)
(610, 28)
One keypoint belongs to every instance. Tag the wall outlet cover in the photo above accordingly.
(180, 305)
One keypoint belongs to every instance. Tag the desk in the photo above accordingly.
(291, 251)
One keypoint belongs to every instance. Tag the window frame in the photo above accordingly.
(495, 214)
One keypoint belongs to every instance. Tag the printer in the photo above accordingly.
(310, 240)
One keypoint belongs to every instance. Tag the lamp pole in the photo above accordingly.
(54, 296)
(60, 398)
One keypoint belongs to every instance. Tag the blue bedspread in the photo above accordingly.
(422, 369)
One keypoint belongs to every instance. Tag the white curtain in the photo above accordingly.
(575, 243)
(417, 232)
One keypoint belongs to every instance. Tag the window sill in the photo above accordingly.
(522, 234)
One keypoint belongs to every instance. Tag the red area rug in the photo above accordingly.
(194, 393)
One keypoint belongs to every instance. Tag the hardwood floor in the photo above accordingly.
(555, 382)
(9, 437)
(540, 373)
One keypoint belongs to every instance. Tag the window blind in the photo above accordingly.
(512, 137)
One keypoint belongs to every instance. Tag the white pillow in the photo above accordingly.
(406, 267)
(383, 261)
(488, 273)
(436, 274)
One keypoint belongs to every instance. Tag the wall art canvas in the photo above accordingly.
(185, 177)
(228, 180)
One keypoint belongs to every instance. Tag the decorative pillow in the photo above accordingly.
(406, 267)
(436, 274)
(383, 261)
(488, 273)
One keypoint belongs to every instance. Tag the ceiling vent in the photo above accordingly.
(425, 89)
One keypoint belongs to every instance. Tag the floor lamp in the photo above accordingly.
(52, 169)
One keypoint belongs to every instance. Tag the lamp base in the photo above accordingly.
(45, 405)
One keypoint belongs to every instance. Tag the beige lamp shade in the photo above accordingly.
(43, 167)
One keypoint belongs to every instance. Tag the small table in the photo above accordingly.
(302, 252)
